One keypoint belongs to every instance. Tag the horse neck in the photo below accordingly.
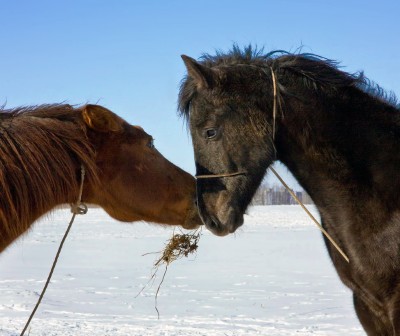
(38, 171)
(19, 218)
(343, 151)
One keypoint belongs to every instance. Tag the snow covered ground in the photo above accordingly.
(273, 277)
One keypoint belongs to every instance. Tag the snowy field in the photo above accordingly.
(273, 277)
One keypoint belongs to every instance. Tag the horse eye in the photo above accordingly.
(150, 144)
(211, 133)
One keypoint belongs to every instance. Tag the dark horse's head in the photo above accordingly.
(231, 102)
(225, 103)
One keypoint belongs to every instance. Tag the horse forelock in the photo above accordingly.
(41, 148)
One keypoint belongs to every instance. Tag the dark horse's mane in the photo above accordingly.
(316, 72)
(40, 150)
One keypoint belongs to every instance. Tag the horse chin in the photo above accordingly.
(225, 223)
(192, 220)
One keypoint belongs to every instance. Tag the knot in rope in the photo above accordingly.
(80, 208)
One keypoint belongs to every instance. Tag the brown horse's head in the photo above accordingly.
(42, 150)
(135, 182)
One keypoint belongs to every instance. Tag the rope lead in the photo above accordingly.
(78, 208)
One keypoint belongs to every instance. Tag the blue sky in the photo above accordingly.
(125, 55)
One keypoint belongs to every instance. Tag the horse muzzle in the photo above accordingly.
(223, 224)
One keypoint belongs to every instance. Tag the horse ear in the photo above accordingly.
(100, 119)
(202, 75)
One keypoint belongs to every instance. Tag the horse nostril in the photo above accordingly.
(214, 225)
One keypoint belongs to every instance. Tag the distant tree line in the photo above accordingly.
(276, 195)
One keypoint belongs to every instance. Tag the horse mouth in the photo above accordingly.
(219, 228)
(193, 220)
(215, 226)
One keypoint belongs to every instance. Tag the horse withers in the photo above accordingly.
(338, 133)
(43, 148)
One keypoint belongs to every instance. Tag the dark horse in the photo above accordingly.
(338, 133)
(43, 148)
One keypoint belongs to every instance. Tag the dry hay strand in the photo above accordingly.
(178, 246)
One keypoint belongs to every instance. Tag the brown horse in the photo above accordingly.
(338, 134)
(43, 148)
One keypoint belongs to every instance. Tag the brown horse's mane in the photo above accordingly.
(315, 72)
(41, 150)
